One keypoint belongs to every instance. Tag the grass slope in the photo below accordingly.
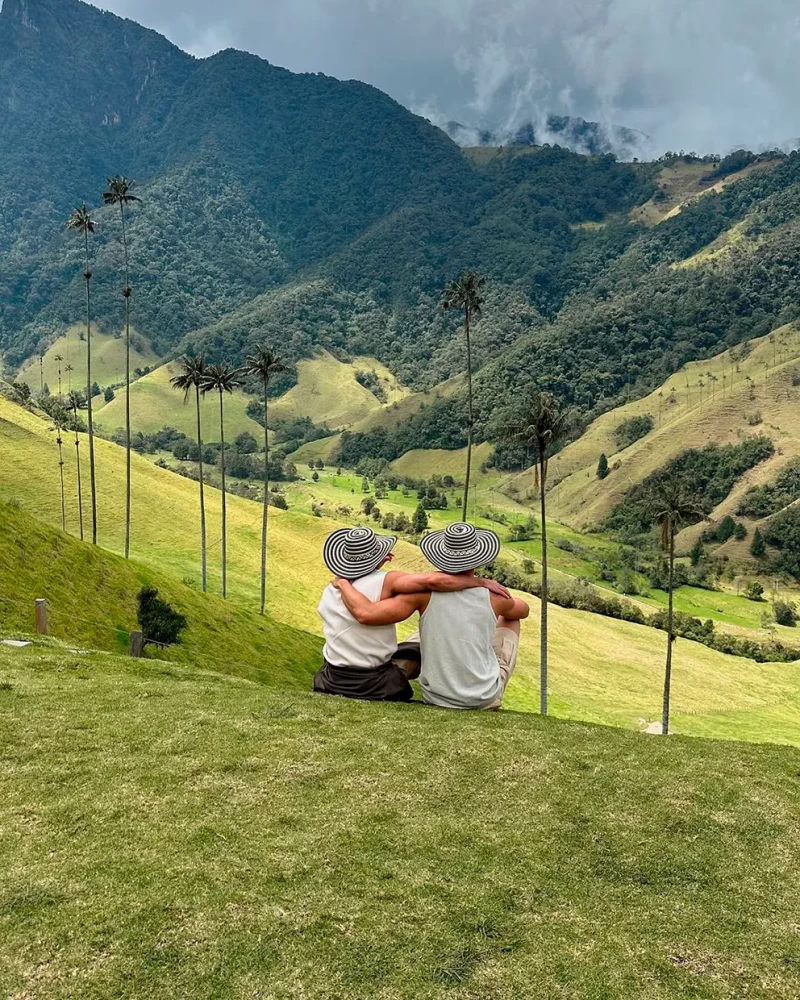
(328, 393)
(175, 833)
(602, 670)
(681, 183)
(91, 597)
(155, 404)
(767, 404)
(108, 360)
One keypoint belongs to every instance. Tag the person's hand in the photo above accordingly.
(337, 582)
(496, 588)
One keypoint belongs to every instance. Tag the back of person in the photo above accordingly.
(347, 643)
(459, 665)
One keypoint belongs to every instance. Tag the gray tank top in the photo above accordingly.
(459, 665)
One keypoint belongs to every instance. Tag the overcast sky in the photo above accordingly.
(707, 75)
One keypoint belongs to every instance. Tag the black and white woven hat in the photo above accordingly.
(460, 547)
(355, 552)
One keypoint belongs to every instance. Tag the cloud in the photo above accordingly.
(706, 76)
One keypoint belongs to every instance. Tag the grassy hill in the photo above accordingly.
(108, 360)
(680, 184)
(91, 597)
(174, 832)
(327, 391)
(602, 670)
(752, 394)
(155, 404)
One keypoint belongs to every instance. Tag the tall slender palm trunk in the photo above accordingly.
(89, 417)
(668, 669)
(265, 512)
(224, 504)
(127, 294)
(78, 465)
(202, 495)
(469, 415)
(543, 623)
(60, 442)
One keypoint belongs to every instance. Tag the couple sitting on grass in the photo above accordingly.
(466, 647)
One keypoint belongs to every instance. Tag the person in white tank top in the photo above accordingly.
(361, 660)
(469, 637)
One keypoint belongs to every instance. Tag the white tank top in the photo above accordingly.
(459, 665)
(347, 642)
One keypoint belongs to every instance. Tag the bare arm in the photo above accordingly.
(512, 608)
(386, 612)
(396, 583)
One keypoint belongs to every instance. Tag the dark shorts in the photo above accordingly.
(385, 683)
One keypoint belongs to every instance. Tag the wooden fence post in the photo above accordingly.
(136, 644)
(41, 616)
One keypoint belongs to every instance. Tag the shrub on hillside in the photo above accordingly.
(158, 620)
(785, 613)
(632, 429)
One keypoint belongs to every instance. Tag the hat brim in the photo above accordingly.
(333, 553)
(485, 550)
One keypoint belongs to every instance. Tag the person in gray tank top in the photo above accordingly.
(363, 661)
(469, 638)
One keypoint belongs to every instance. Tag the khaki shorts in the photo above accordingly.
(506, 648)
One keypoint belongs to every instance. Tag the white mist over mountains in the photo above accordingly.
(707, 76)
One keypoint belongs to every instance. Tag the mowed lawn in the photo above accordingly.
(166, 833)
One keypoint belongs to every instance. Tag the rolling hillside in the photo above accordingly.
(108, 360)
(91, 597)
(602, 670)
(155, 404)
(746, 395)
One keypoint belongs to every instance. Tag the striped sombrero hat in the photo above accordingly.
(460, 547)
(355, 552)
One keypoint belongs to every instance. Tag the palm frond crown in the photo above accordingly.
(119, 191)
(220, 378)
(81, 220)
(465, 293)
(263, 364)
(672, 506)
(193, 371)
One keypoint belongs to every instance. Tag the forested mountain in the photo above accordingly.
(322, 214)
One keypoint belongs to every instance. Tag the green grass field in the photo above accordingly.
(172, 832)
(155, 404)
(108, 360)
(328, 393)
(601, 669)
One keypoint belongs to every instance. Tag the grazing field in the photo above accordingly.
(108, 360)
(601, 669)
(155, 404)
(173, 832)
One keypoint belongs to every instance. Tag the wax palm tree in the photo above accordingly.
(671, 507)
(465, 293)
(58, 358)
(192, 374)
(222, 379)
(60, 420)
(81, 221)
(119, 193)
(69, 370)
(75, 401)
(263, 365)
(539, 426)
